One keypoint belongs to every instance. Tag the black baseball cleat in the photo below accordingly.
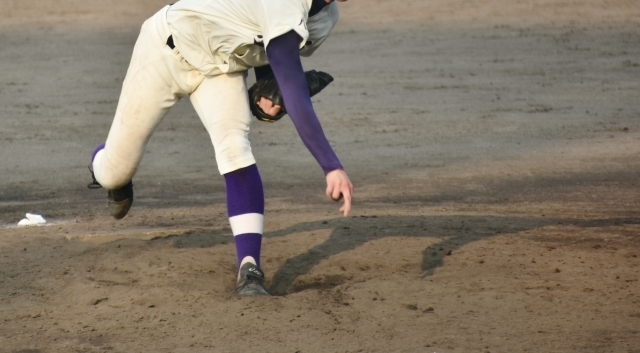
(251, 281)
(119, 200)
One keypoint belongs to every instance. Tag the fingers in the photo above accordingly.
(273, 111)
(339, 187)
(334, 190)
(268, 107)
(346, 207)
(336, 194)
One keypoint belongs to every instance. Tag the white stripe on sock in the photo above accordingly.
(247, 223)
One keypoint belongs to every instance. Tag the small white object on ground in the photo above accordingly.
(32, 220)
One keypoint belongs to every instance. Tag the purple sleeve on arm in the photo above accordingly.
(285, 62)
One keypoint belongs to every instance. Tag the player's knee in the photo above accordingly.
(233, 145)
(233, 153)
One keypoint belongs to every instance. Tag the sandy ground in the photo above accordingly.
(494, 147)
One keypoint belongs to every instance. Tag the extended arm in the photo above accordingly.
(284, 58)
(287, 68)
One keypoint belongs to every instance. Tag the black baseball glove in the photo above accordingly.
(268, 88)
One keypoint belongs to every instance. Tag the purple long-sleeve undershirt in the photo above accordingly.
(284, 58)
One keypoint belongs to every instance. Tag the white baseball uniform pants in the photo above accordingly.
(157, 78)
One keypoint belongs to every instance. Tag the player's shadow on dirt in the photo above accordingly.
(456, 231)
(453, 231)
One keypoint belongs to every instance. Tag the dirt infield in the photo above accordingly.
(494, 146)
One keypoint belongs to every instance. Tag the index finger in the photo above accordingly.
(346, 208)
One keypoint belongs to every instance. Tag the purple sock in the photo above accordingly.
(245, 207)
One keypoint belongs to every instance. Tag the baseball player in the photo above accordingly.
(203, 49)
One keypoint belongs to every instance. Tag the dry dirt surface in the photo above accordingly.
(494, 146)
